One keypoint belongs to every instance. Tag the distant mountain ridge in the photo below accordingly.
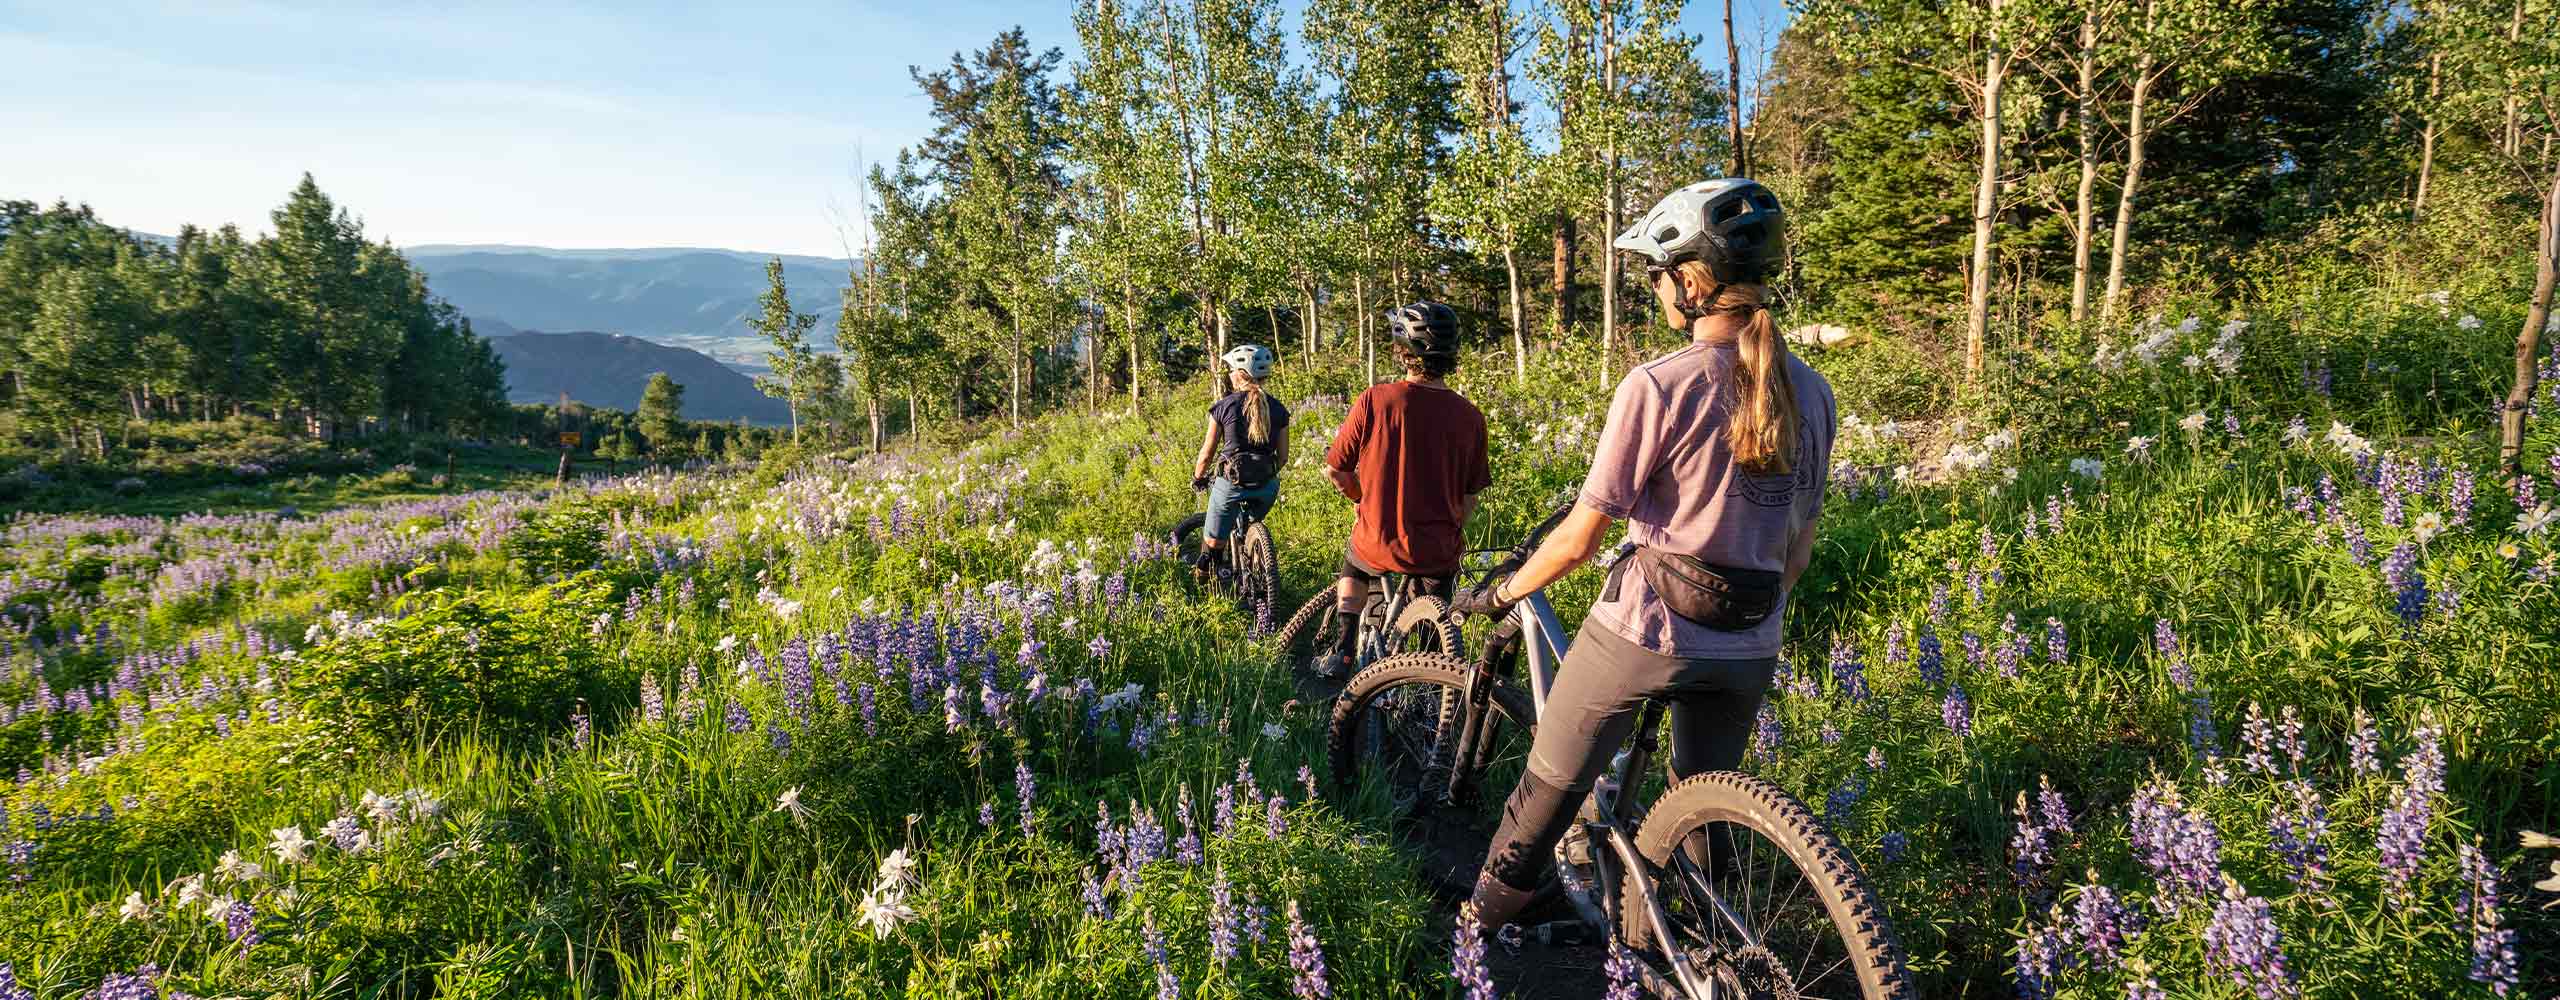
(611, 370)
(692, 297)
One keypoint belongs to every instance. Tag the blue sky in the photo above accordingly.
(617, 125)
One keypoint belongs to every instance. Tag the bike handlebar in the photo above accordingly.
(1518, 555)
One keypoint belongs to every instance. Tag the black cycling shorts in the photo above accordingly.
(1443, 587)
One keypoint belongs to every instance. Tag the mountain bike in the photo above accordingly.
(1402, 615)
(1247, 567)
(1725, 886)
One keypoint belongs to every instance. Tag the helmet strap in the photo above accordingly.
(1698, 310)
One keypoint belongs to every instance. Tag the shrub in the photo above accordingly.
(513, 667)
(556, 541)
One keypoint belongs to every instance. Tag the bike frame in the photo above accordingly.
(1614, 855)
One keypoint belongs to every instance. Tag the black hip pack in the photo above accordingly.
(1248, 467)
(1723, 598)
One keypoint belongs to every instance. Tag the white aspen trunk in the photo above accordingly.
(2137, 135)
(1360, 312)
(2511, 141)
(1609, 198)
(1307, 322)
(1986, 197)
(1519, 325)
(1129, 312)
(2084, 208)
(2546, 268)
(1733, 83)
(2427, 137)
(1013, 401)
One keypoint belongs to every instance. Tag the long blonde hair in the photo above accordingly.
(1762, 428)
(1257, 411)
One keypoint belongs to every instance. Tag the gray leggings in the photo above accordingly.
(1601, 689)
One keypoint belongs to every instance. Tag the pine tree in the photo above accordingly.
(661, 414)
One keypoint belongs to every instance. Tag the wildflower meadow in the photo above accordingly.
(2219, 666)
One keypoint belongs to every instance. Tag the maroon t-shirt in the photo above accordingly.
(1409, 455)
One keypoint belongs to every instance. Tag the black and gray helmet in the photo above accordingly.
(1732, 224)
(1426, 328)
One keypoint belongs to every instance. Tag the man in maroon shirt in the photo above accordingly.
(1411, 456)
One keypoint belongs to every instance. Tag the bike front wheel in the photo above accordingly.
(1758, 896)
(1401, 731)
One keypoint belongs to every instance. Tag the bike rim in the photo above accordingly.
(1409, 735)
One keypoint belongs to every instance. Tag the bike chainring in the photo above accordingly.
(1756, 973)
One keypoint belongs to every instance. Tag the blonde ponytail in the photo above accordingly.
(1257, 414)
(1762, 428)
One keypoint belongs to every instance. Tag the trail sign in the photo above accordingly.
(569, 439)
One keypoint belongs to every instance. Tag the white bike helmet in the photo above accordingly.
(1255, 359)
(1731, 224)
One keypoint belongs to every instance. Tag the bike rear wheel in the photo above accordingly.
(1257, 566)
(1397, 732)
(1763, 899)
(1424, 626)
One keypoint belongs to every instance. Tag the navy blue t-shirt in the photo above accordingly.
(1230, 414)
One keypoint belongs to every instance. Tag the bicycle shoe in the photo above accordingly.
(1332, 665)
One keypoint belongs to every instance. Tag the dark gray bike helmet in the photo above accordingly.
(1426, 328)
(1731, 224)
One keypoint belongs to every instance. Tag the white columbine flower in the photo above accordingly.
(2192, 363)
(238, 869)
(2002, 440)
(726, 643)
(2428, 526)
(220, 908)
(898, 869)
(2192, 423)
(2088, 468)
(2509, 551)
(789, 802)
(885, 911)
(134, 908)
(2468, 322)
(291, 846)
(383, 808)
(423, 805)
(1274, 731)
(2532, 522)
(2139, 447)
(188, 889)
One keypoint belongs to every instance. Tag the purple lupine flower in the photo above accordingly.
(141, 984)
(1972, 650)
(1222, 920)
(1851, 674)
(2361, 756)
(1255, 915)
(737, 718)
(1766, 733)
(9, 988)
(2033, 847)
(1168, 987)
(1307, 780)
(1466, 959)
(1937, 602)
(2291, 738)
(2230, 423)
(653, 704)
(955, 710)
(241, 924)
(986, 813)
(2258, 733)
(1306, 960)
(778, 738)
(1875, 759)
(1894, 845)
(2458, 500)
(1957, 711)
(2057, 644)
(346, 833)
(1186, 849)
(1625, 981)
(1275, 821)
(2409, 589)
(2012, 647)
(1095, 903)
(1222, 810)
(2101, 923)
(1842, 802)
(2299, 830)
(1023, 789)
(1894, 651)
(2493, 948)
(870, 705)
(1932, 663)
(2050, 808)
(2243, 942)
(581, 729)
(2042, 956)
(1830, 733)
(2180, 846)
(2146, 987)
(2202, 736)
(2402, 837)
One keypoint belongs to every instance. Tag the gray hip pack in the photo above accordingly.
(1722, 598)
